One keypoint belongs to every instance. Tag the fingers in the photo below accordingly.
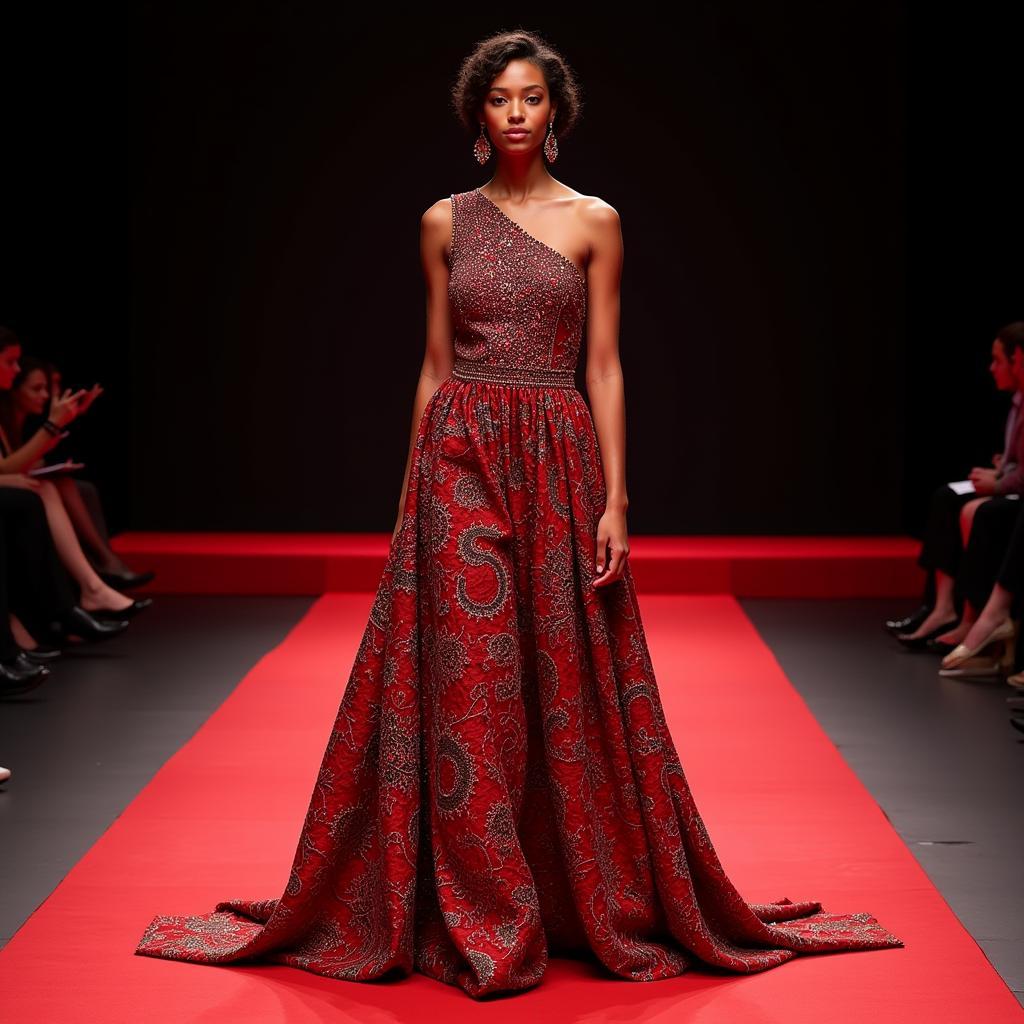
(616, 567)
(614, 563)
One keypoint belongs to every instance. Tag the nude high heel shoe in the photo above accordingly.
(1016, 681)
(954, 663)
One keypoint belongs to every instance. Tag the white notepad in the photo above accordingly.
(962, 486)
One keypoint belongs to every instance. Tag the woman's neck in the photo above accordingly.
(518, 180)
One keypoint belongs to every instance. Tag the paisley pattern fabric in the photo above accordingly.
(500, 784)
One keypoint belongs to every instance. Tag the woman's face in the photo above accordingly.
(518, 99)
(32, 395)
(9, 368)
(1001, 368)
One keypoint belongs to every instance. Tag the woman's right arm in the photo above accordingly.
(439, 355)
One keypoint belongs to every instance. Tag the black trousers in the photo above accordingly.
(1011, 569)
(991, 531)
(942, 545)
(1010, 574)
(38, 589)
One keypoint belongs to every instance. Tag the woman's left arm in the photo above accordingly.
(605, 386)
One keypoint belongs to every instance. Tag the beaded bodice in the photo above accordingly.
(515, 301)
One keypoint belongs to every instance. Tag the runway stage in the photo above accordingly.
(788, 815)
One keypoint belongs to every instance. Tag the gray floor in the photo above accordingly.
(937, 754)
(83, 744)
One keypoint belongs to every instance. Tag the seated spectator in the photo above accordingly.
(28, 402)
(18, 673)
(990, 535)
(951, 514)
(30, 580)
(96, 597)
(995, 629)
(40, 599)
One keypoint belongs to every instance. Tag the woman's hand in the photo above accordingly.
(88, 398)
(984, 479)
(22, 480)
(64, 408)
(611, 537)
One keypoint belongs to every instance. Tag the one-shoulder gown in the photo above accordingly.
(500, 784)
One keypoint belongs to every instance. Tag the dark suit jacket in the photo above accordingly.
(1010, 476)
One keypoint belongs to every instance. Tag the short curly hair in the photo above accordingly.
(492, 55)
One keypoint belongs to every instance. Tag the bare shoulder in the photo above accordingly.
(438, 217)
(597, 214)
(599, 224)
(437, 229)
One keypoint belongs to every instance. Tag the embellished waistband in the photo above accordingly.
(536, 376)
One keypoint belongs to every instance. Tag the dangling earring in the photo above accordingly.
(551, 143)
(482, 147)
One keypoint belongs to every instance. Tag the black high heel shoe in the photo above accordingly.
(910, 623)
(920, 643)
(79, 622)
(42, 654)
(20, 675)
(937, 646)
(138, 605)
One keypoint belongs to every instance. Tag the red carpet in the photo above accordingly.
(221, 818)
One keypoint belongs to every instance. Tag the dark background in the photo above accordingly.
(214, 212)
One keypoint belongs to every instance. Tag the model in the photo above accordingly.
(500, 784)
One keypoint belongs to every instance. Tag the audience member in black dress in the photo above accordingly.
(22, 410)
(951, 514)
(97, 597)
